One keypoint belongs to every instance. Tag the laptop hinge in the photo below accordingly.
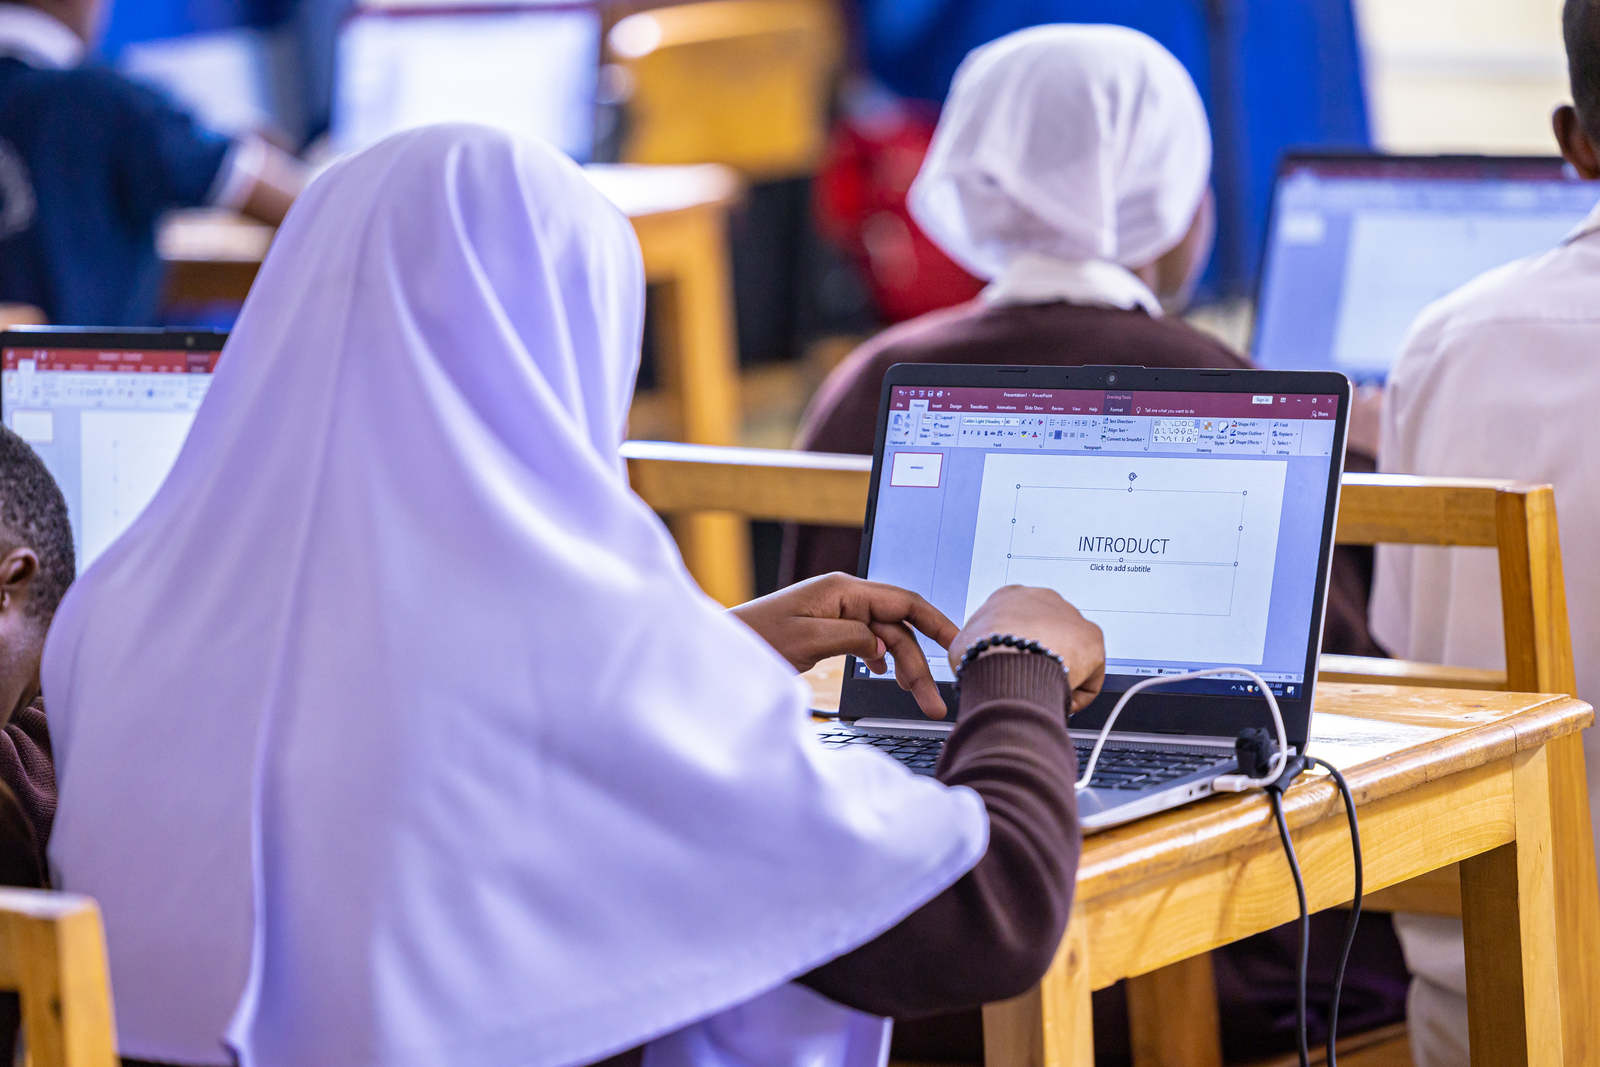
(903, 724)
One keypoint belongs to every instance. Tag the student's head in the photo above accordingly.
(36, 566)
(1577, 124)
(1076, 143)
(82, 17)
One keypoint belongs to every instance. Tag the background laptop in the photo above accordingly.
(107, 412)
(528, 68)
(1358, 245)
(1189, 513)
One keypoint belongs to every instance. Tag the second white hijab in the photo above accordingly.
(1076, 143)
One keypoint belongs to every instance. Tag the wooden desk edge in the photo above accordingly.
(1128, 855)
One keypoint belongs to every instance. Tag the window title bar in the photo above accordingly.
(1102, 402)
(159, 361)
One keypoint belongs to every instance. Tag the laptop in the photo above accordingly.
(527, 68)
(1189, 513)
(107, 412)
(1358, 245)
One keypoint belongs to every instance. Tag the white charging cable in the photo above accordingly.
(1227, 783)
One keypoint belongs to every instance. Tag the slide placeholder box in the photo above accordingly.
(1173, 558)
(126, 457)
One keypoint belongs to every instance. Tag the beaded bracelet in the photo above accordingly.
(1021, 644)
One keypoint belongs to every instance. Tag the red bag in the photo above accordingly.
(860, 192)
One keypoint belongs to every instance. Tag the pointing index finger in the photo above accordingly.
(888, 603)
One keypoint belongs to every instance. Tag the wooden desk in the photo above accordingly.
(680, 217)
(1440, 776)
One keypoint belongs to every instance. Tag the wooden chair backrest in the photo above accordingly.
(740, 82)
(52, 953)
(1518, 520)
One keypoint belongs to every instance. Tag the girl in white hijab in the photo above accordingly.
(1070, 167)
(1072, 162)
(394, 733)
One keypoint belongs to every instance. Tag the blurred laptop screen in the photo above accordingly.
(108, 424)
(525, 68)
(1358, 246)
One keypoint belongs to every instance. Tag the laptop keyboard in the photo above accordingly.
(918, 753)
(1119, 767)
(1141, 768)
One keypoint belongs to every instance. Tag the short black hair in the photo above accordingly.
(33, 514)
(1580, 26)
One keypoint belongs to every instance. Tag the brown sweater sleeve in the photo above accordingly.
(993, 933)
(27, 768)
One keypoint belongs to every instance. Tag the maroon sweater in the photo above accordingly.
(27, 798)
(843, 416)
(27, 807)
(992, 934)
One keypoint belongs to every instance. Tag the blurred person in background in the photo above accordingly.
(1273, 75)
(1500, 380)
(1071, 169)
(88, 162)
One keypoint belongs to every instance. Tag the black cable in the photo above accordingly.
(1355, 906)
(1276, 797)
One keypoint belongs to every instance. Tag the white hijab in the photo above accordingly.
(394, 730)
(1079, 144)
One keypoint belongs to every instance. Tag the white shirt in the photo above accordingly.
(1500, 379)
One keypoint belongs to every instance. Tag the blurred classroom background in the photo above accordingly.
(781, 136)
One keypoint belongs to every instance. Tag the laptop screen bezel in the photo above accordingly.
(1443, 167)
(128, 339)
(1152, 712)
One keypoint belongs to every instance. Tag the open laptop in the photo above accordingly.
(525, 67)
(107, 412)
(1189, 513)
(1358, 245)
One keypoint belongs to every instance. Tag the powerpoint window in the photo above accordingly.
(108, 425)
(1187, 525)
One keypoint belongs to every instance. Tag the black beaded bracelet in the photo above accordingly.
(1021, 644)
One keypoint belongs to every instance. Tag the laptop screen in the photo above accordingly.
(107, 423)
(525, 68)
(1188, 525)
(1358, 246)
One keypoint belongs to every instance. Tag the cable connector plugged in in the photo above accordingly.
(1255, 753)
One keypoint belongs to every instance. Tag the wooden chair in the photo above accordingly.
(52, 953)
(740, 82)
(1519, 521)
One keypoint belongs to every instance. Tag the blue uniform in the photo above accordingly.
(88, 161)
